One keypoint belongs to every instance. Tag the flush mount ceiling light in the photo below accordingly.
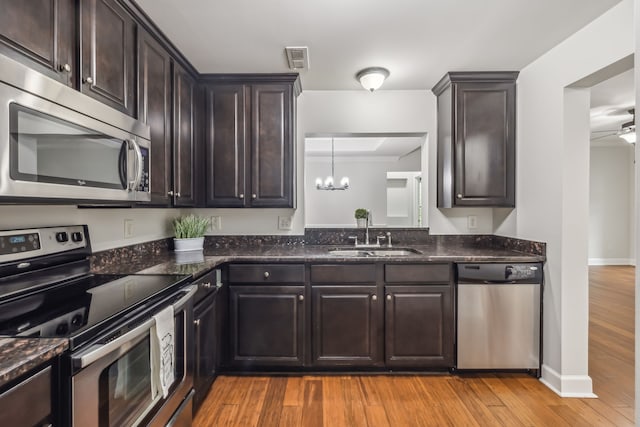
(328, 183)
(372, 78)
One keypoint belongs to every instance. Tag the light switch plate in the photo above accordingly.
(284, 222)
(215, 223)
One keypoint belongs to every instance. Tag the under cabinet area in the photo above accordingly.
(250, 140)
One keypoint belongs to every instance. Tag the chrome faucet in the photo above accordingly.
(366, 230)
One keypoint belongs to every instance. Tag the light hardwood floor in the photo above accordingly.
(441, 400)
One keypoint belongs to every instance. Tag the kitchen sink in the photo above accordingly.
(373, 252)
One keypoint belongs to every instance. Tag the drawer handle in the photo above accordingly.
(254, 196)
(88, 80)
(65, 68)
(388, 297)
(459, 195)
(266, 274)
(301, 297)
(241, 196)
(206, 285)
(374, 297)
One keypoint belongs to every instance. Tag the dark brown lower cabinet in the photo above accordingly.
(419, 326)
(346, 326)
(206, 347)
(30, 402)
(266, 326)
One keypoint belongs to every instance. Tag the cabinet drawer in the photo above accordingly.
(28, 403)
(417, 273)
(340, 273)
(266, 273)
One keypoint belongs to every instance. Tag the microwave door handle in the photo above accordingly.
(124, 343)
(132, 184)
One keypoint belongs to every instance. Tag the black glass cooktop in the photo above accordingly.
(80, 305)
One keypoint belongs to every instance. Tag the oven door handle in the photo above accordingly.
(128, 340)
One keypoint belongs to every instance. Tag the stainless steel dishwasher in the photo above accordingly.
(498, 316)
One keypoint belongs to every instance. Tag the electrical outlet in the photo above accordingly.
(215, 223)
(472, 222)
(128, 228)
(284, 222)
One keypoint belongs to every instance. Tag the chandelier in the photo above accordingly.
(328, 183)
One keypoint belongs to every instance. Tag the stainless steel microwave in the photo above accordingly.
(57, 144)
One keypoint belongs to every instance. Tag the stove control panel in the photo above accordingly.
(28, 243)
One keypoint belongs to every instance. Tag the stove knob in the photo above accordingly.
(62, 236)
(76, 320)
(76, 236)
(62, 329)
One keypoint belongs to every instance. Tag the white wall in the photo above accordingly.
(106, 226)
(368, 189)
(553, 185)
(388, 112)
(611, 205)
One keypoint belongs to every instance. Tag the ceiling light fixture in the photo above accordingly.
(372, 78)
(328, 183)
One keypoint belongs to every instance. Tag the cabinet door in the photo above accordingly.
(206, 348)
(419, 326)
(107, 35)
(346, 326)
(484, 144)
(272, 145)
(266, 325)
(184, 141)
(154, 98)
(225, 146)
(41, 33)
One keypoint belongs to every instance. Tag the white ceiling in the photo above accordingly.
(417, 40)
(610, 102)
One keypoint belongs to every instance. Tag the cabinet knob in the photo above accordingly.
(374, 298)
(170, 193)
(388, 297)
(177, 194)
(254, 196)
(206, 285)
(196, 322)
(459, 196)
(266, 274)
(88, 80)
(65, 68)
(301, 297)
(241, 196)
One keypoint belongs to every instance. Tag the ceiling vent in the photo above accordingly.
(298, 57)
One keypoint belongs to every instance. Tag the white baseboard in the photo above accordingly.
(567, 385)
(612, 261)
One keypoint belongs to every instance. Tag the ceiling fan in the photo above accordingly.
(627, 130)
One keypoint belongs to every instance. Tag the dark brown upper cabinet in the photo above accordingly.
(108, 51)
(41, 34)
(185, 167)
(250, 140)
(476, 139)
(154, 109)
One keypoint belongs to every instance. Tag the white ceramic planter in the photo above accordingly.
(362, 222)
(185, 245)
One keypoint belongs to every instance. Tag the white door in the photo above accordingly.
(403, 199)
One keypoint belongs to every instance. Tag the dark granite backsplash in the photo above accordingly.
(340, 236)
(129, 254)
(138, 254)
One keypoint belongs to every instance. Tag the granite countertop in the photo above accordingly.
(198, 263)
(20, 355)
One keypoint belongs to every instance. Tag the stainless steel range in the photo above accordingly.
(112, 375)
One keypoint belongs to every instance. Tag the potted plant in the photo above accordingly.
(361, 217)
(189, 233)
